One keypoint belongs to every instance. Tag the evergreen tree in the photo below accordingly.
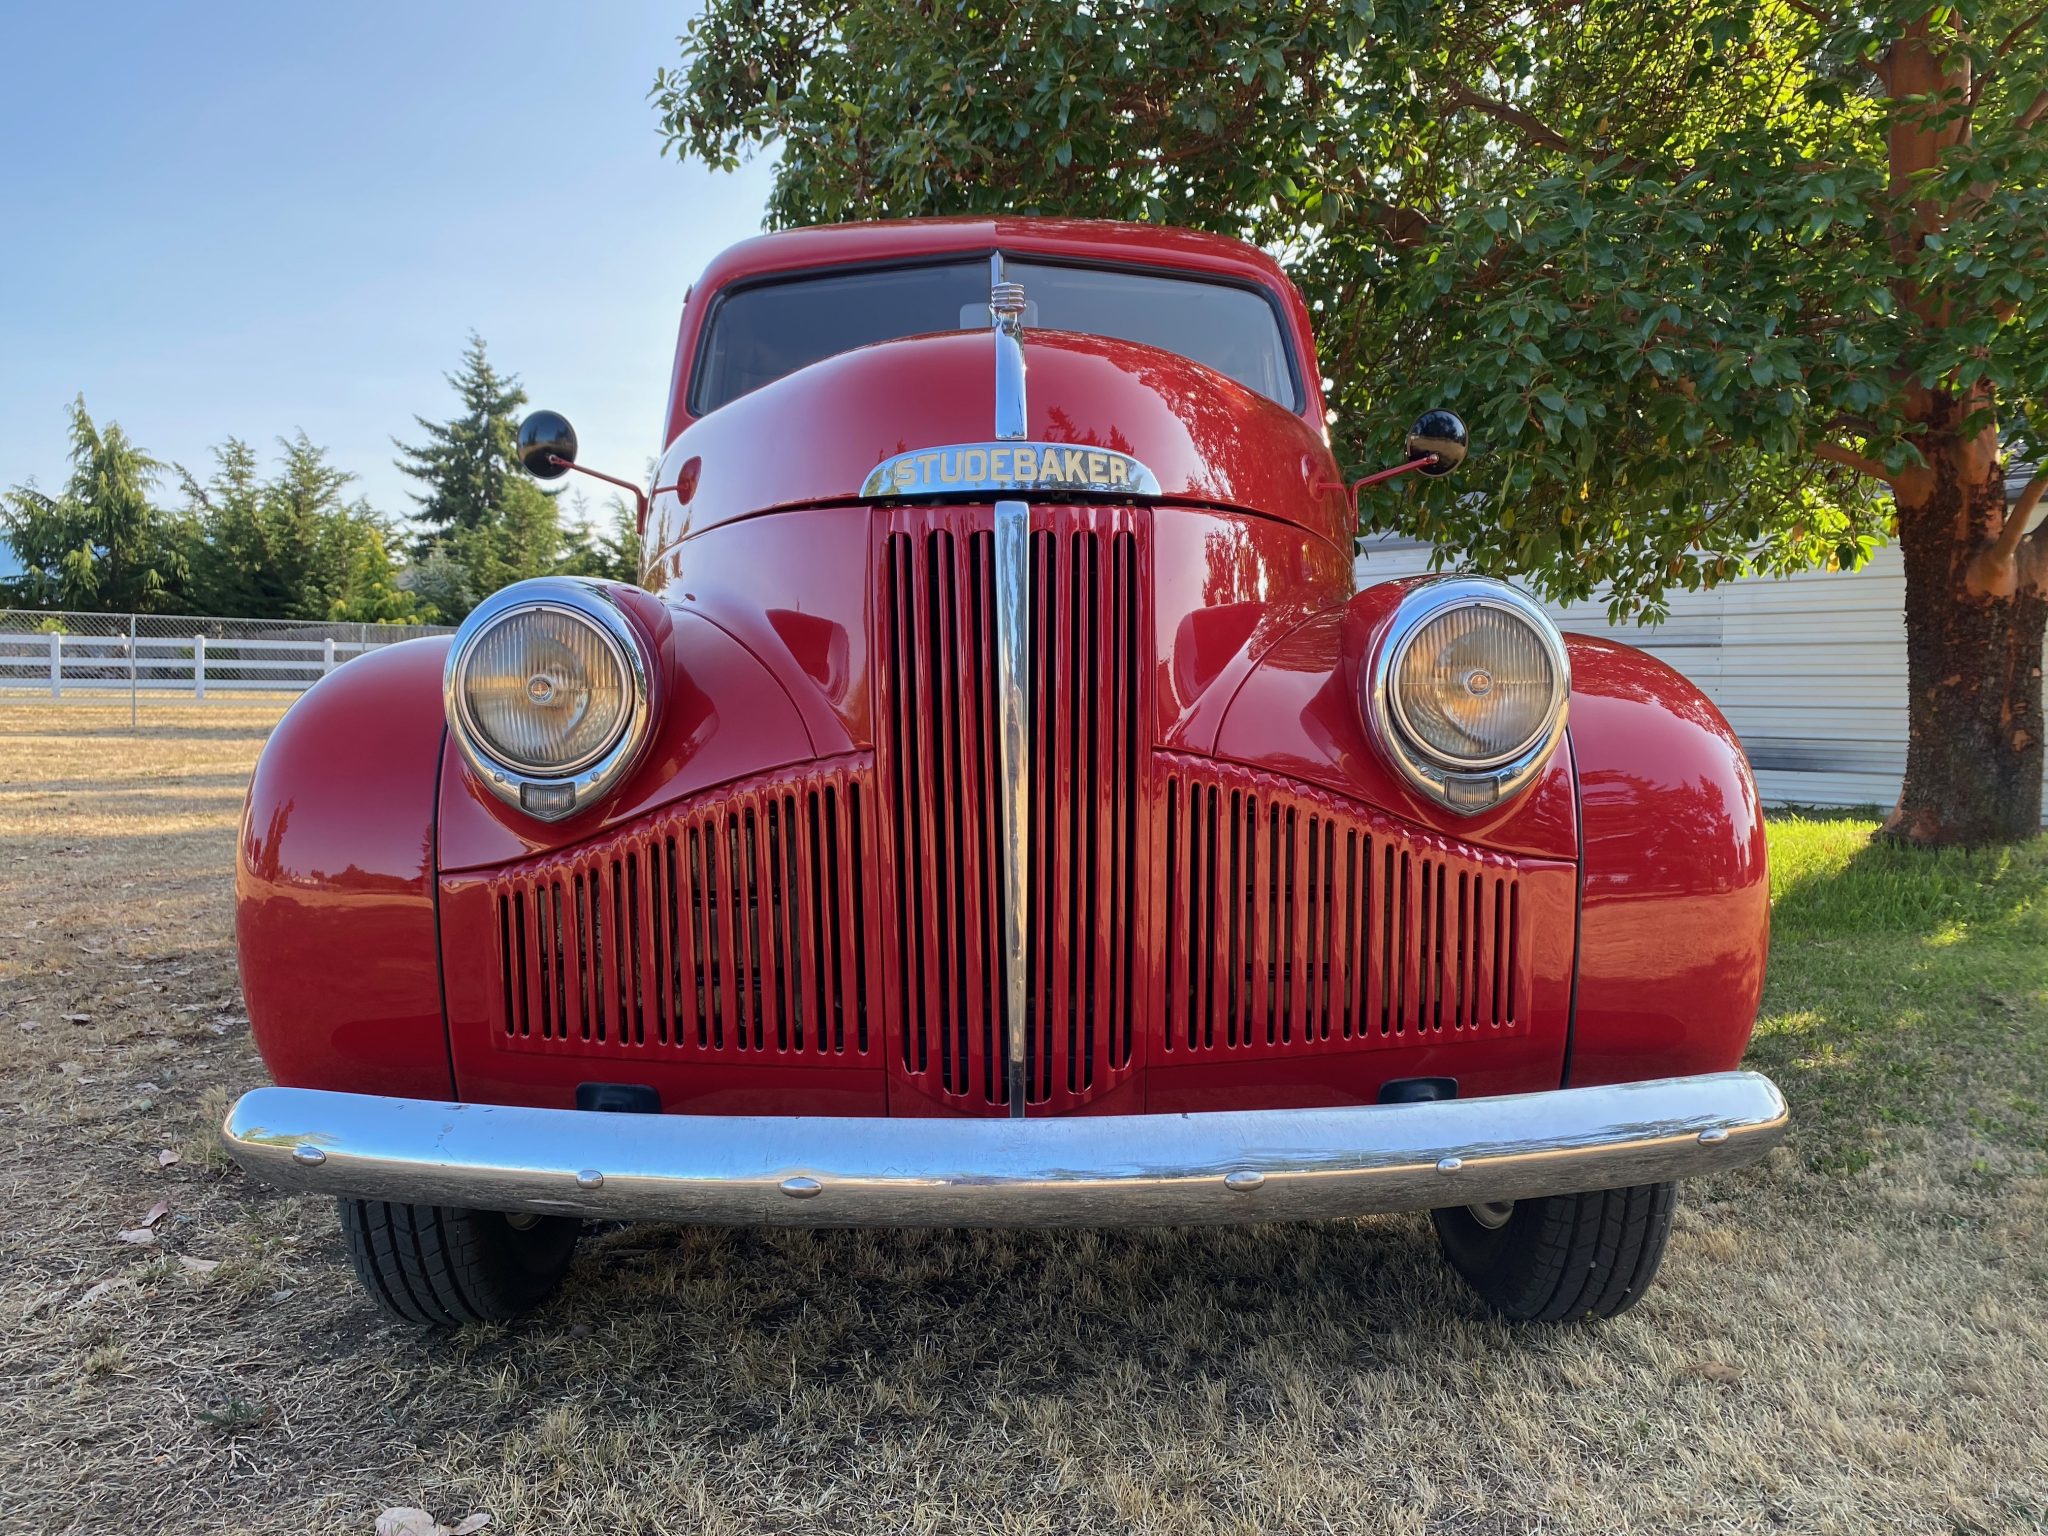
(486, 523)
(101, 544)
(289, 547)
(353, 549)
(467, 462)
(235, 561)
(610, 552)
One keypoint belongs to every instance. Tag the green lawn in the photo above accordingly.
(1908, 991)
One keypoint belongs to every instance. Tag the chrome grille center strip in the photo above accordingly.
(1013, 586)
(1013, 662)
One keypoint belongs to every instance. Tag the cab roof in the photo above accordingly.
(900, 239)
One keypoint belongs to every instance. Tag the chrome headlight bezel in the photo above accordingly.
(559, 793)
(1466, 786)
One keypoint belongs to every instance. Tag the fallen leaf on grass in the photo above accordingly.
(1718, 1370)
(402, 1520)
(136, 1235)
(77, 1018)
(96, 1292)
(236, 1414)
(156, 1213)
(198, 1266)
(169, 1159)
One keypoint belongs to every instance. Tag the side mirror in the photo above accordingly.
(1436, 432)
(547, 444)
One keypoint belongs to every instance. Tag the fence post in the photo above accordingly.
(56, 664)
(131, 671)
(327, 659)
(199, 666)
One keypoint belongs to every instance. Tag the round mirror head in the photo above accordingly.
(1440, 433)
(544, 438)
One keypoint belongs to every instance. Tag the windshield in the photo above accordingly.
(761, 332)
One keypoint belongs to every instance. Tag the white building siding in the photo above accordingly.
(1809, 669)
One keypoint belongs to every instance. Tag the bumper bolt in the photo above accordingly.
(1244, 1181)
(800, 1187)
(590, 1178)
(308, 1156)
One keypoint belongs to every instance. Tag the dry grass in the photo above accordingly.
(1850, 1338)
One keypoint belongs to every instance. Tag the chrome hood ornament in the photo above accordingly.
(1006, 310)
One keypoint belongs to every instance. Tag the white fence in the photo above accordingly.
(109, 658)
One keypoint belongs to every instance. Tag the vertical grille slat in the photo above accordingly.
(735, 929)
(1326, 929)
(938, 750)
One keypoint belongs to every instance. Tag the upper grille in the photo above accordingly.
(734, 929)
(938, 764)
(1293, 923)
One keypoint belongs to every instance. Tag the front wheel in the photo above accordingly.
(1558, 1258)
(446, 1268)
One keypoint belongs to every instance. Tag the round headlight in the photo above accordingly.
(1468, 694)
(548, 694)
(546, 690)
(1476, 685)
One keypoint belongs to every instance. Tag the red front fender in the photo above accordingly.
(1676, 911)
(334, 882)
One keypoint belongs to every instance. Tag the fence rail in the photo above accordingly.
(104, 658)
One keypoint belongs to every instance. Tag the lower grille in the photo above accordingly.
(736, 929)
(1294, 923)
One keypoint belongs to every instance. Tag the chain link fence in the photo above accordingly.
(149, 668)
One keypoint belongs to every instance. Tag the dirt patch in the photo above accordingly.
(1850, 1337)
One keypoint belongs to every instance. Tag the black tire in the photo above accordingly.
(1559, 1258)
(448, 1268)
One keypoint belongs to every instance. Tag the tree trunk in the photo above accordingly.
(1973, 665)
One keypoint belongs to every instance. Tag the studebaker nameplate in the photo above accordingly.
(965, 467)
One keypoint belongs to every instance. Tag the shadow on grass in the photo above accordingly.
(1906, 989)
(950, 1319)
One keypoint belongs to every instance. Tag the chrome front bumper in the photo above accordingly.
(1073, 1171)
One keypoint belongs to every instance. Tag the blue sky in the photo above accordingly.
(248, 219)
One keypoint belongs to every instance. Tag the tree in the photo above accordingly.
(101, 544)
(467, 461)
(1741, 286)
(487, 523)
(612, 552)
(354, 547)
(291, 547)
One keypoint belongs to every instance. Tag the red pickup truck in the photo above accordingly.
(999, 807)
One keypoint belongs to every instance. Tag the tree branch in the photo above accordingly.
(2012, 38)
(2014, 559)
(2033, 114)
(2016, 516)
(1835, 453)
(1532, 128)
